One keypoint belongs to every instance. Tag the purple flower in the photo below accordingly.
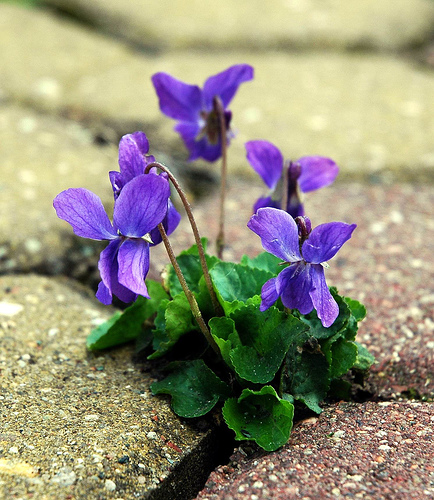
(302, 284)
(306, 174)
(133, 159)
(124, 263)
(195, 108)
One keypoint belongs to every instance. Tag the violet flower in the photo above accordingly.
(133, 159)
(302, 284)
(305, 174)
(195, 108)
(124, 263)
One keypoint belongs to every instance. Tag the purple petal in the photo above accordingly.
(278, 233)
(117, 182)
(141, 141)
(325, 305)
(132, 148)
(103, 294)
(266, 160)
(178, 100)
(265, 202)
(142, 205)
(269, 294)
(170, 223)
(294, 285)
(316, 172)
(226, 83)
(85, 212)
(133, 260)
(325, 240)
(109, 268)
(198, 148)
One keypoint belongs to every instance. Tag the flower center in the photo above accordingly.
(211, 128)
(304, 229)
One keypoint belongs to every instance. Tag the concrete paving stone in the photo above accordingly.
(370, 451)
(368, 112)
(40, 156)
(79, 425)
(223, 25)
(387, 265)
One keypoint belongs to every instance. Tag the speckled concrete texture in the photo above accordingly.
(41, 156)
(77, 425)
(369, 451)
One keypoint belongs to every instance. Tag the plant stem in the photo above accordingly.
(218, 310)
(220, 242)
(188, 293)
(285, 185)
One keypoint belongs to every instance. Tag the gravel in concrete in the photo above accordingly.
(81, 425)
(370, 451)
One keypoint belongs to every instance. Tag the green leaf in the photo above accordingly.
(319, 331)
(235, 284)
(264, 261)
(265, 339)
(195, 388)
(306, 373)
(341, 355)
(191, 267)
(126, 326)
(174, 319)
(357, 309)
(226, 337)
(99, 338)
(364, 359)
(260, 416)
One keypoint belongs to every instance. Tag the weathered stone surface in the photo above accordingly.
(79, 425)
(40, 157)
(372, 451)
(169, 24)
(57, 65)
(368, 112)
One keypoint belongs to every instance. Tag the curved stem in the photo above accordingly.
(188, 293)
(220, 243)
(285, 186)
(216, 304)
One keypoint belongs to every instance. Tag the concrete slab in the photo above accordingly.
(370, 451)
(368, 112)
(79, 425)
(191, 24)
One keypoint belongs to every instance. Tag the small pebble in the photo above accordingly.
(110, 485)
(10, 309)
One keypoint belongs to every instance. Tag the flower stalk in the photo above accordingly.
(220, 242)
(188, 293)
(216, 304)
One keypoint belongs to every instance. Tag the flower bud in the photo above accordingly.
(294, 171)
(304, 227)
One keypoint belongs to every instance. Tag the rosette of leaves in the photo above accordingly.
(269, 361)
